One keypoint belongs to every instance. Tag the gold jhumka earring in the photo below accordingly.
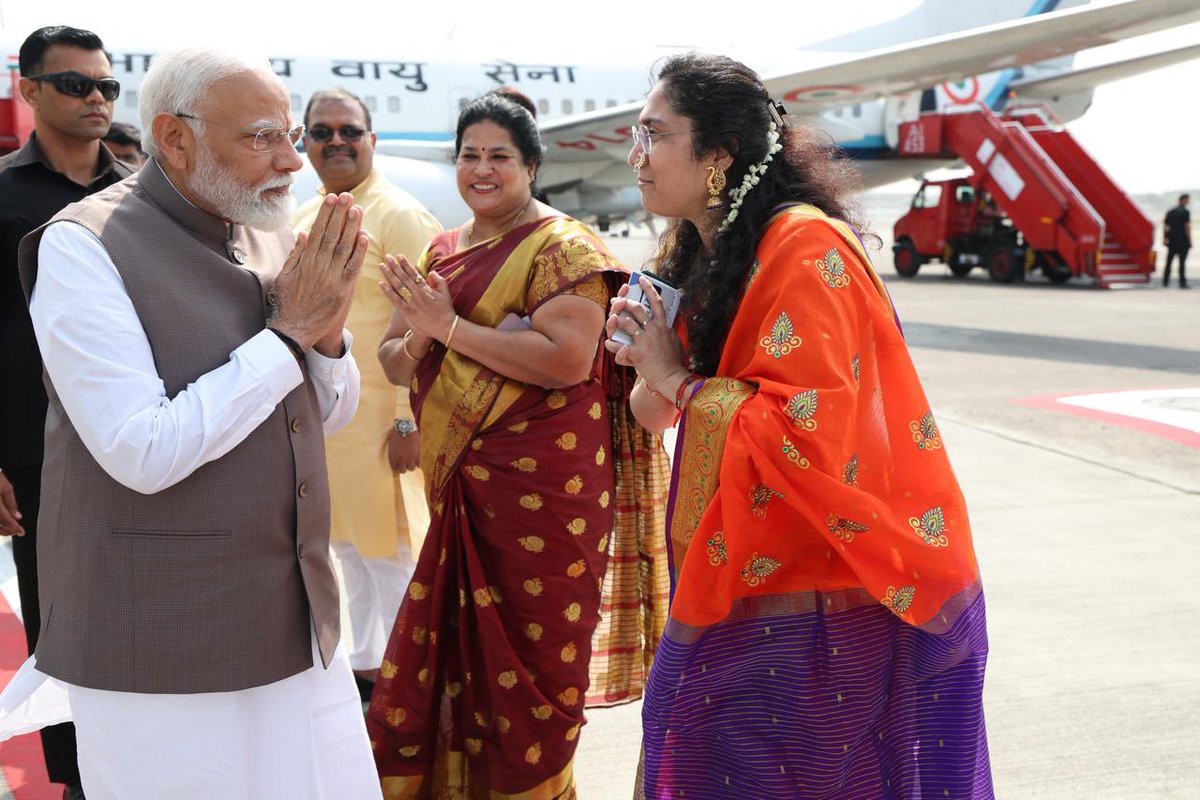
(715, 183)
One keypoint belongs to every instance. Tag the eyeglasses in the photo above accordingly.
(76, 84)
(643, 137)
(265, 139)
(324, 133)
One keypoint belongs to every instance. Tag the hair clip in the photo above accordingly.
(777, 111)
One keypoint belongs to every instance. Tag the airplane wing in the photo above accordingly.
(957, 56)
(1083, 79)
(584, 147)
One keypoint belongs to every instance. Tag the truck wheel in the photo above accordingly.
(957, 267)
(1003, 266)
(906, 258)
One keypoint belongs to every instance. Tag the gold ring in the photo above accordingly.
(418, 280)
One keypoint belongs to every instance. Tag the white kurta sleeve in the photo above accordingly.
(336, 382)
(100, 362)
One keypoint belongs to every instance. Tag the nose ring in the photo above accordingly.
(641, 161)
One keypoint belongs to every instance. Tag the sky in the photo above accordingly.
(1140, 128)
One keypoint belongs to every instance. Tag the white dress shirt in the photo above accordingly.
(100, 362)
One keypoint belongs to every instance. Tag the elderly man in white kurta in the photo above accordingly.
(194, 366)
(379, 512)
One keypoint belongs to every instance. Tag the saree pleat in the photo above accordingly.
(483, 684)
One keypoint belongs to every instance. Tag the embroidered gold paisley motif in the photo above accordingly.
(395, 716)
(604, 499)
(801, 409)
(556, 400)
(573, 612)
(931, 527)
(577, 526)
(409, 751)
(898, 600)
(482, 598)
(534, 754)
(595, 411)
(758, 568)
(577, 568)
(567, 441)
(833, 269)
(845, 529)
(717, 555)
(569, 696)
(574, 485)
(571, 733)
(925, 432)
(850, 471)
(478, 473)
(417, 591)
(519, 427)
(531, 501)
(782, 339)
(793, 455)
(760, 496)
(525, 464)
(542, 712)
(507, 679)
(569, 652)
(387, 669)
(600, 456)
(602, 545)
(533, 586)
(419, 635)
(533, 631)
(503, 724)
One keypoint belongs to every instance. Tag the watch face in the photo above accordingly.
(405, 426)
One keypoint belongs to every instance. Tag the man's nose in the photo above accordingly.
(287, 158)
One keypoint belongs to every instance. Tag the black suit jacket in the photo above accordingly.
(31, 192)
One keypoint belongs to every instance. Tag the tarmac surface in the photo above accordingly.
(1085, 523)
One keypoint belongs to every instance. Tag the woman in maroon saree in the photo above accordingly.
(529, 453)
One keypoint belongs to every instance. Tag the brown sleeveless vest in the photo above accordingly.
(216, 583)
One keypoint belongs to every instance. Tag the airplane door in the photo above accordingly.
(896, 109)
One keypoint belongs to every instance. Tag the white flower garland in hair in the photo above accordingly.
(752, 177)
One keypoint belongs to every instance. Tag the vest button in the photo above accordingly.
(303, 490)
(239, 256)
(295, 426)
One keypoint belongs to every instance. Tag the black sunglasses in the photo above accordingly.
(77, 84)
(324, 133)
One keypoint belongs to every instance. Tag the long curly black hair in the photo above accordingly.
(728, 107)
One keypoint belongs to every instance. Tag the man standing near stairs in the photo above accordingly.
(1177, 235)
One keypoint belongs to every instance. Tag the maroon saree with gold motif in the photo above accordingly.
(483, 683)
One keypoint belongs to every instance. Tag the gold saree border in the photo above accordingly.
(452, 765)
(706, 425)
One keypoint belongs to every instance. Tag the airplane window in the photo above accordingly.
(589, 105)
(858, 109)
(370, 102)
(543, 106)
(568, 106)
(609, 103)
(393, 103)
(295, 98)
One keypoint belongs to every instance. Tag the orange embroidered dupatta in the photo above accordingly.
(814, 462)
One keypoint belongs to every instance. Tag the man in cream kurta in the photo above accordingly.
(379, 513)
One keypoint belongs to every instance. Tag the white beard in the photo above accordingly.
(236, 203)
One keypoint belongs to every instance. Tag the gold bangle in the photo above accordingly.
(453, 327)
(407, 352)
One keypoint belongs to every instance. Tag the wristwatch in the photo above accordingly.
(404, 427)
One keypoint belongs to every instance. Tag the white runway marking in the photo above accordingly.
(1178, 408)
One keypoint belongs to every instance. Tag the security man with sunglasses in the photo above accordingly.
(66, 78)
(379, 515)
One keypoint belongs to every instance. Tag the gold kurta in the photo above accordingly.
(372, 506)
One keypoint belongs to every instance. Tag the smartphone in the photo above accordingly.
(669, 294)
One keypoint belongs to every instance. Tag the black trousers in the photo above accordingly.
(1181, 254)
(58, 741)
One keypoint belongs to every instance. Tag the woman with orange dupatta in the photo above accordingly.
(826, 635)
(538, 479)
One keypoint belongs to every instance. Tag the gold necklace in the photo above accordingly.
(512, 223)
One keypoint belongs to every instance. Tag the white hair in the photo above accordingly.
(178, 81)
